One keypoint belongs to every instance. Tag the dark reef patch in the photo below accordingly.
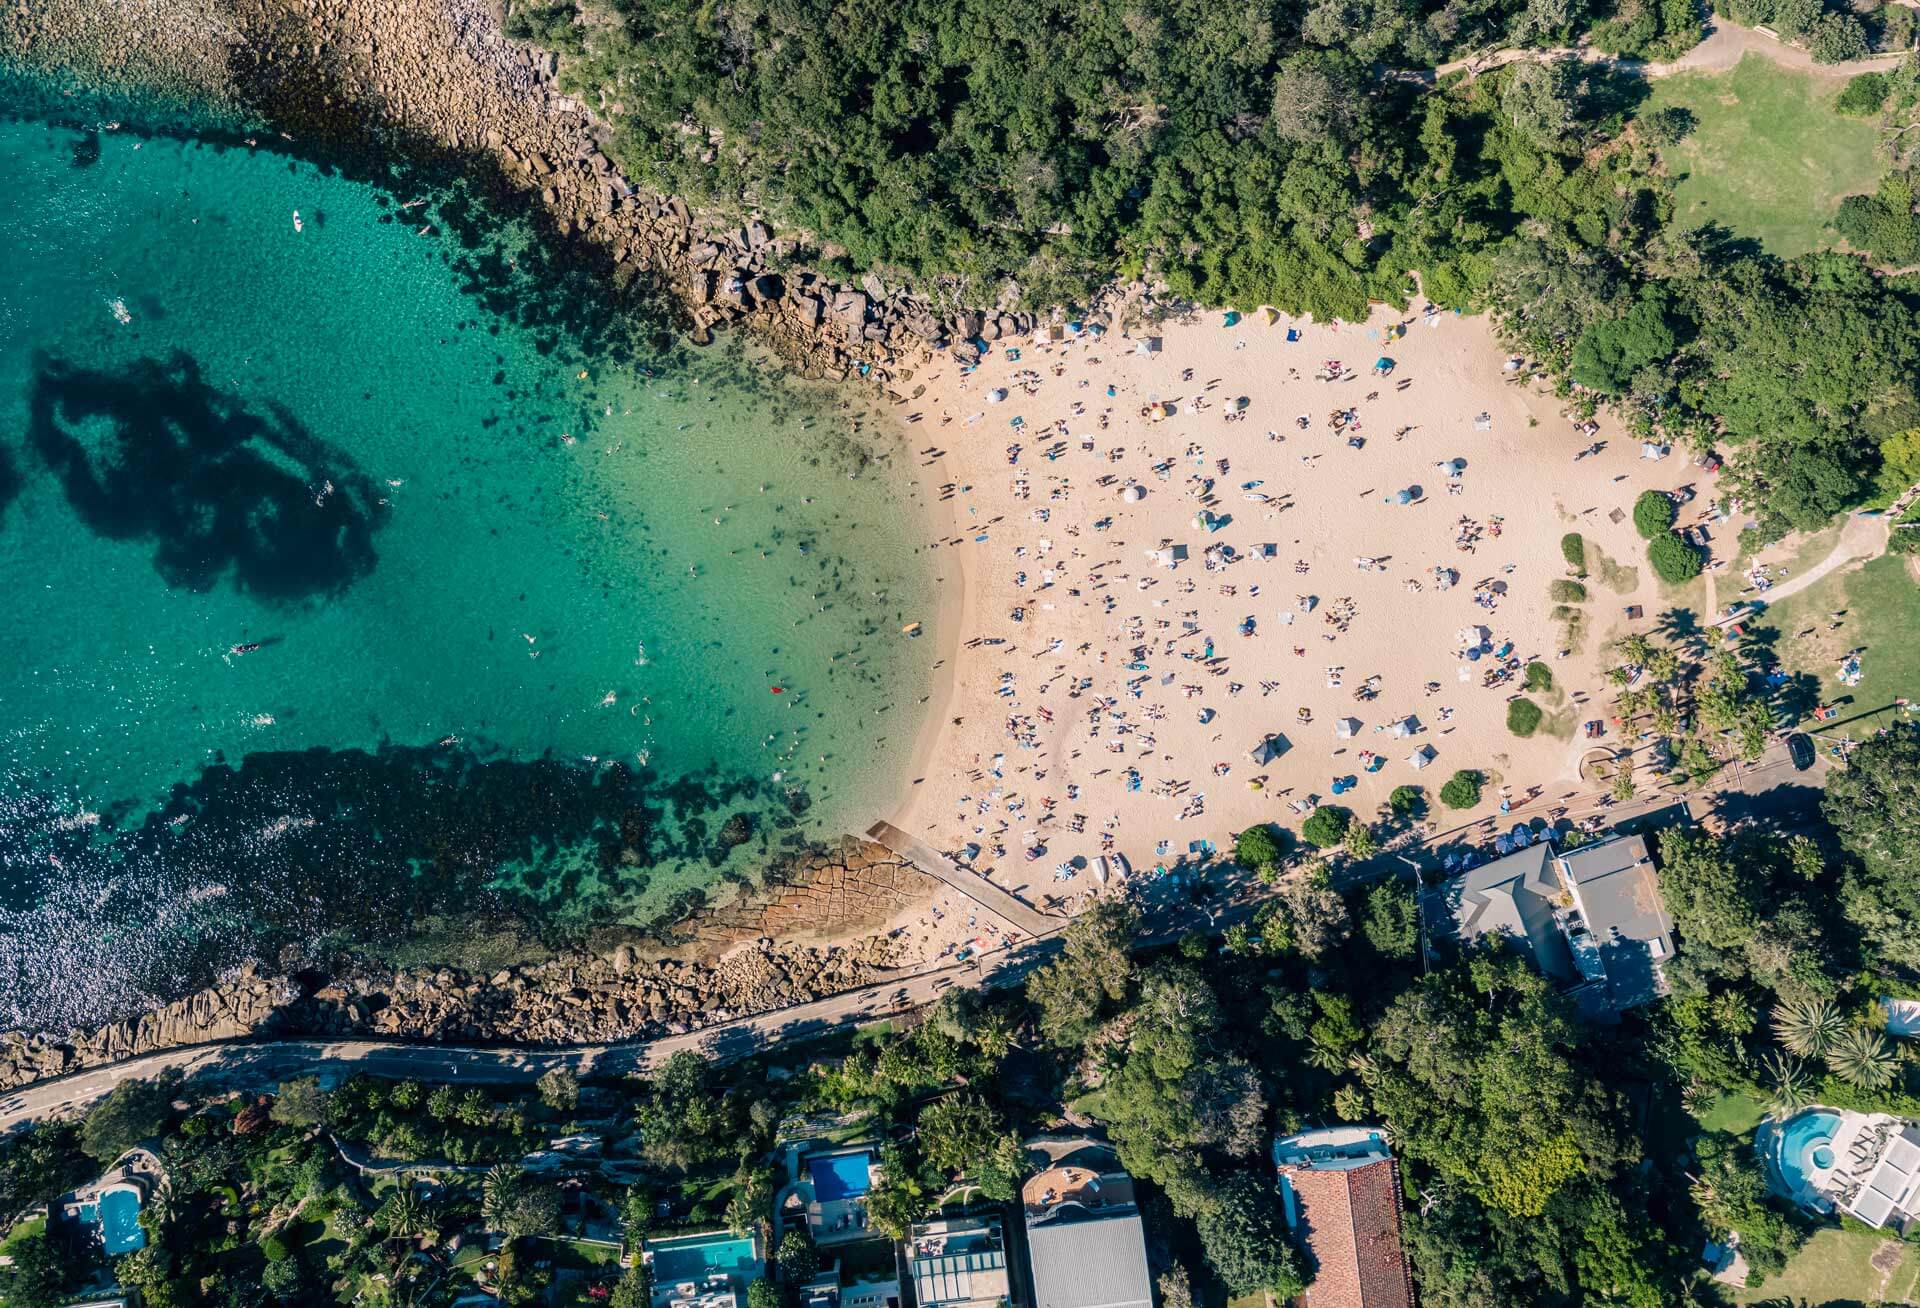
(320, 854)
(154, 452)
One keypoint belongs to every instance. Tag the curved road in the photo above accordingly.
(262, 1065)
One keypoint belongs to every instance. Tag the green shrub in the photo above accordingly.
(1462, 790)
(1256, 847)
(274, 1249)
(1864, 96)
(1326, 826)
(1673, 560)
(1407, 801)
(1574, 550)
(1561, 613)
(1523, 719)
(1539, 677)
(1565, 590)
(1883, 225)
(1653, 513)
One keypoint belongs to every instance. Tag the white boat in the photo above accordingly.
(298, 226)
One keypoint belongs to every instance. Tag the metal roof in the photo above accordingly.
(1094, 1261)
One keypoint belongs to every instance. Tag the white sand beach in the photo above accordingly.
(1105, 699)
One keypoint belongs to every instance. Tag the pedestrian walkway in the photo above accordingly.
(1011, 909)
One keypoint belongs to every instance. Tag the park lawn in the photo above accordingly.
(1769, 159)
(1836, 1267)
(1882, 601)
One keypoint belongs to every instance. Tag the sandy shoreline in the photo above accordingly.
(1116, 714)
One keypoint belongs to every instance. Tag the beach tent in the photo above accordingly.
(1270, 316)
(1406, 726)
(1654, 450)
(1147, 345)
(1453, 467)
(1345, 727)
(996, 395)
(1133, 494)
(1421, 757)
(1403, 497)
(1269, 749)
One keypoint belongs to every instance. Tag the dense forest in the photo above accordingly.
(1247, 154)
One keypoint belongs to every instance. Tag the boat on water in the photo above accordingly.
(246, 647)
(298, 226)
(118, 308)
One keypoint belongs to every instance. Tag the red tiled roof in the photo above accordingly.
(1350, 1221)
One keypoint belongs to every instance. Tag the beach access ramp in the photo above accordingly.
(1009, 908)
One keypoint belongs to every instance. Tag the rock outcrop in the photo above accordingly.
(770, 951)
(439, 75)
(238, 1008)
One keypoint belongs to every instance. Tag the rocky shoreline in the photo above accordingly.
(437, 80)
(439, 77)
(746, 958)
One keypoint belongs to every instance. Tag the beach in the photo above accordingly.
(1362, 596)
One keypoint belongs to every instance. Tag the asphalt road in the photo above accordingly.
(264, 1064)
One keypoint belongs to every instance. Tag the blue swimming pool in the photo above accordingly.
(696, 1257)
(843, 1176)
(1805, 1146)
(118, 1217)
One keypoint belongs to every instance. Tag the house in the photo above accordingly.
(1085, 1242)
(826, 1193)
(1340, 1190)
(711, 1269)
(958, 1263)
(1889, 1194)
(1591, 918)
(829, 1188)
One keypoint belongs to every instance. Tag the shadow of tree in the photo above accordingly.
(152, 452)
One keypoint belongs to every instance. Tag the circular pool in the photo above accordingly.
(1803, 1148)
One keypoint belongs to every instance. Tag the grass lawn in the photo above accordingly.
(1735, 1114)
(1843, 1267)
(1882, 603)
(1770, 158)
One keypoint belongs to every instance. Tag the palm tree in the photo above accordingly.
(403, 1217)
(1861, 1056)
(498, 1192)
(1807, 1026)
(1789, 1077)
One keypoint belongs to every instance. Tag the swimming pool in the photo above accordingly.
(843, 1176)
(118, 1217)
(1805, 1146)
(696, 1257)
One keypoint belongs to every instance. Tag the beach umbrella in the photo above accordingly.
(1473, 654)
(1133, 494)
(1403, 497)
(996, 395)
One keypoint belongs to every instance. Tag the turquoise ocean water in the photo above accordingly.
(365, 585)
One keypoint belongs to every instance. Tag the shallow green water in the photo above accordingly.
(340, 605)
